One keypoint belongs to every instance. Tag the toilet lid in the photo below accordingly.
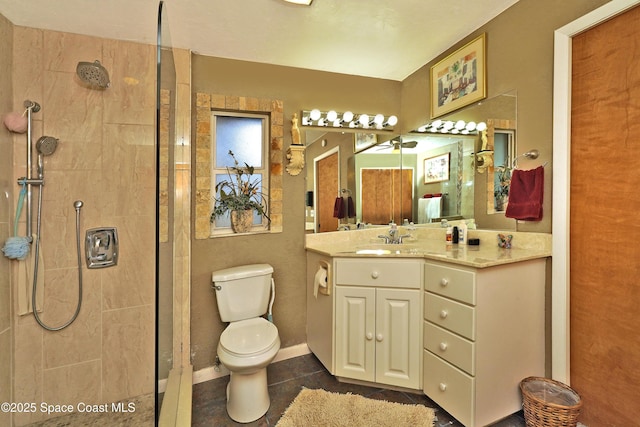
(249, 336)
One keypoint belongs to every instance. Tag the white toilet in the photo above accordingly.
(250, 342)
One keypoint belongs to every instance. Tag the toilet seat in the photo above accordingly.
(249, 337)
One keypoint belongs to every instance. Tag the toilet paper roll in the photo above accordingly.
(320, 280)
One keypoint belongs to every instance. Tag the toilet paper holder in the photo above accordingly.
(325, 290)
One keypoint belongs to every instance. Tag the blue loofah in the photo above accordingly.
(17, 247)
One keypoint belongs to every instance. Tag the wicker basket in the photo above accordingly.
(549, 403)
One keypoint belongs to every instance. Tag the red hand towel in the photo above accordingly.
(338, 208)
(526, 194)
(351, 209)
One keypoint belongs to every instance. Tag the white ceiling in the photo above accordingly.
(387, 39)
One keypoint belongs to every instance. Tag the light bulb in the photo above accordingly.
(481, 126)
(392, 121)
(347, 116)
(332, 116)
(460, 124)
(364, 119)
(436, 124)
(378, 119)
(471, 126)
(315, 114)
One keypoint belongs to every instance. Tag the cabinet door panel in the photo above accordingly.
(398, 344)
(355, 330)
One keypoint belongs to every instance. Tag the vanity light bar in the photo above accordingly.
(348, 119)
(459, 127)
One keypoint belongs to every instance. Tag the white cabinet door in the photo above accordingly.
(355, 331)
(398, 347)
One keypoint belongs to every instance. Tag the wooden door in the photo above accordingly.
(604, 232)
(377, 196)
(403, 195)
(386, 195)
(327, 189)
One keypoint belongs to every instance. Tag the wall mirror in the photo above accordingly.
(421, 177)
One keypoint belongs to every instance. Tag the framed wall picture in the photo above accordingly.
(363, 141)
(459, 79)
(436, 169)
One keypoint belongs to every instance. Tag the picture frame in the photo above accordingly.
(362, 141)
(436, 169)
(459, 79)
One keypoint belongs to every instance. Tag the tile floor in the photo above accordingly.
(285, 380)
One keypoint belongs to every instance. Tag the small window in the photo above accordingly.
(245, 135)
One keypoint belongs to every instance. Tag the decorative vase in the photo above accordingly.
(501, 203)
(241, 221)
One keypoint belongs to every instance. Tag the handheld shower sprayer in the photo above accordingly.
(46, 146)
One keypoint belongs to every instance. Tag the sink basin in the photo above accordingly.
(373, 251)
(386, 250)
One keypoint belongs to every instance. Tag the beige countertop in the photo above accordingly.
(429, 243)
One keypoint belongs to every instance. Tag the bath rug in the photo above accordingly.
(322, 408)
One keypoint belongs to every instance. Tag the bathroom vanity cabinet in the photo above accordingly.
(483, 333)
(378, 312)
(463, 325)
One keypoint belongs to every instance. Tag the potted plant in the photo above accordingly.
(501, 192)
(239, 196)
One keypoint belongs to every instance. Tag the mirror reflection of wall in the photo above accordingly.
(328, 156)
(503, 154)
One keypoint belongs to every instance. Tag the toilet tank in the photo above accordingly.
(242, 292)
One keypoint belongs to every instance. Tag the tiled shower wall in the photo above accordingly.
(6, 198)
(106, 159)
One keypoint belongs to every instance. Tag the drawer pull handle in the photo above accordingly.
(444, 314)
(369, 336)
(379, 337)
(443, 346)
(443, 387)
(375, 274)
(444, 282)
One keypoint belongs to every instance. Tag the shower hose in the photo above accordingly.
(77, 205)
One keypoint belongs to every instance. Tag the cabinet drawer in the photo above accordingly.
(452, 348)
(451, 315)
(379, 272)
(451, 282)
(449, 387)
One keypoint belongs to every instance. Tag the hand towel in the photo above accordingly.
(338, 208)
(25, 282)
(526, 194)
(351, 209)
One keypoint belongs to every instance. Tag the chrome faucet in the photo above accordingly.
(393, 236)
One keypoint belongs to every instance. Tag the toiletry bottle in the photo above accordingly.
(456, 235)
(449, 235)
(462, 233)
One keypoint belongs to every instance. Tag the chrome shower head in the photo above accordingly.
(93, 73)
(46, 145)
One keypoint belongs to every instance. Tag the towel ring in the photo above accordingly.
(531, 155)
